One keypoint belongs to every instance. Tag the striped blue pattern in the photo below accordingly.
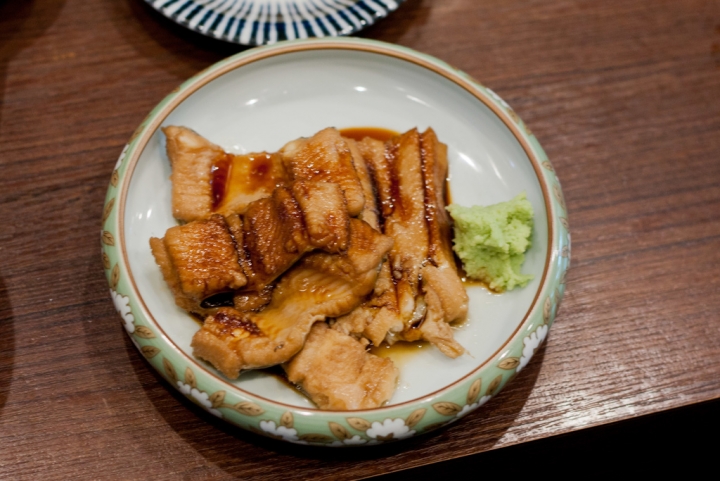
(259, 22)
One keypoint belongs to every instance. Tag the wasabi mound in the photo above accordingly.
(491, 241)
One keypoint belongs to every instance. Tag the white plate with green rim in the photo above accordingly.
(260, 99)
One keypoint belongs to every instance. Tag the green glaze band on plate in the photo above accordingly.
(270, 95)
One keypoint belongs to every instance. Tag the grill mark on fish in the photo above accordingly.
(230, 322)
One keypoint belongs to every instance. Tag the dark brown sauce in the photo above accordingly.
(259, 172)
(221, 299)
(359, 133)
(400, 352)
(219, 173)
(244, 173)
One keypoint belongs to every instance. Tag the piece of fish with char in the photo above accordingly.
(378, 317)
(277, 231)
(444, 297)
(191, 158)
(336, 372)
(206, 179)
(399, 180)
(325, 214)
(273, 238)
(410, 181)
(320, 286)
(207, 257)
(198, 260)
(440, 275)
(325, 157)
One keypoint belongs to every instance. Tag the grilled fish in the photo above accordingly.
(325, 157)
(410, 180)
(198, 260)
(336, 372)
(320, 286)
(206, 179)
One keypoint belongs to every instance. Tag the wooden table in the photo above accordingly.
(625, 98)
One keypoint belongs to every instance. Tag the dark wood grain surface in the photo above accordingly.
(625, 98)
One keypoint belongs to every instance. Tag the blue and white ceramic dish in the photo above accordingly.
(259, 22)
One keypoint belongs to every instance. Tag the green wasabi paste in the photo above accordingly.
(491, 241)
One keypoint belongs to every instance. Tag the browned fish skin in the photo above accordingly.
(325, 213)
(370, 212)
(159, 252)
(410, 180)
(203, 257)
(435, 169)
(274, 237)
(373, 152)
(400, 187)
(440, 276)
(321, 285)
(337, 373)
(192, 157)
(195, 160)
(377, 318)
(325, 157)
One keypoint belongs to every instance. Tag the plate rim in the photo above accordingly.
(557, 255)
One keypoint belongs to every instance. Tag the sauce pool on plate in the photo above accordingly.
(359, 133)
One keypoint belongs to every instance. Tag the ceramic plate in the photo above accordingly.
(259, 100)
(258, 22)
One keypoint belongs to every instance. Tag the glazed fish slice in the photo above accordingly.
(320, 286)
(378, 318)
(325, 157)
(325, 214)
(277, 231)
(215, 255)
(206, 179)
(399, 180)
(199, 260)
(410, 180)
(443, 294)
(370, 212)
(192, 158)
(274, 238)
(337, 372)
(242, 179)
(440, 275)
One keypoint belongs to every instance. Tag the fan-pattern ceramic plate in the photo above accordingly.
(258, 22)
